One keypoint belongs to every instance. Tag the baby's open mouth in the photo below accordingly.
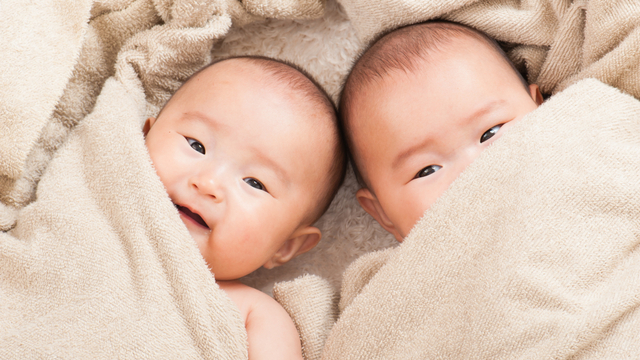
(195, 217)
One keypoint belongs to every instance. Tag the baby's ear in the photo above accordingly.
(536, 95)
(302, 240)
(147, 125)
(370, 204)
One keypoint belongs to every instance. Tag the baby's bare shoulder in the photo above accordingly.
(270, 330)
(247, 299)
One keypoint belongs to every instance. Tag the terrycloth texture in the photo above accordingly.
(359, 273)
(311, 303)
(40, 43)
(285, 9)
(559, 42)
(45, 55)
(101, 266)
(531, 253)
(8, 217)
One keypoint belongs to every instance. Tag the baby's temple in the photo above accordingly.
(320, 179)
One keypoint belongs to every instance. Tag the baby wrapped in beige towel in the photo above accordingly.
(528, 246)
(248, 151)
(104, 265)
(418, 107)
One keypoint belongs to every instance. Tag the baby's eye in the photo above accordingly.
(254, 183)
(427, 171)
(196, 145)
(489, 133)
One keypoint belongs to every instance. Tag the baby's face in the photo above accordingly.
(414, 133)
(240, 163)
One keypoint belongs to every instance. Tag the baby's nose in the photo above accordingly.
(208, 184)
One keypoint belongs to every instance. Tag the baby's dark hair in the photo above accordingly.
(404, 49)
(297, 79)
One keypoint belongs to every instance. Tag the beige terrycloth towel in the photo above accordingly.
(40, 43)
(100, 266)
(311, 303)
(558, 42)
(532, 253)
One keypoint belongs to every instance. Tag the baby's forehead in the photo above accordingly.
(295, 88)
(228, 73)
(411, 48)
(411, 61)
(291, 90)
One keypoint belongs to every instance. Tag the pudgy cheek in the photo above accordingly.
(235, 259)
(413, 211)
(158, 165)
(202, 242)
(229, 245)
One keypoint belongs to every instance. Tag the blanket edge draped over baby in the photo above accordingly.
(100, 266)
(531, 253)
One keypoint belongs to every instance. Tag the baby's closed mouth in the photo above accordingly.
(190, 214)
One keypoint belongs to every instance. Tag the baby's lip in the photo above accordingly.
(192, 215)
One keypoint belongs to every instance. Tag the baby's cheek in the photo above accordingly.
(161, 168)
(414, 210)
(240, 252)
(409, 221)
(203, 247)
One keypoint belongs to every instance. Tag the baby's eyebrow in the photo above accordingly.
(201, 117)
(483, 110)
(403, 156)
(270, 163)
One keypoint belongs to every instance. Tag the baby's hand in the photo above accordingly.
(270, 330)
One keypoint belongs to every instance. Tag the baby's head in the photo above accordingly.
(249, 151)
(418, 107)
